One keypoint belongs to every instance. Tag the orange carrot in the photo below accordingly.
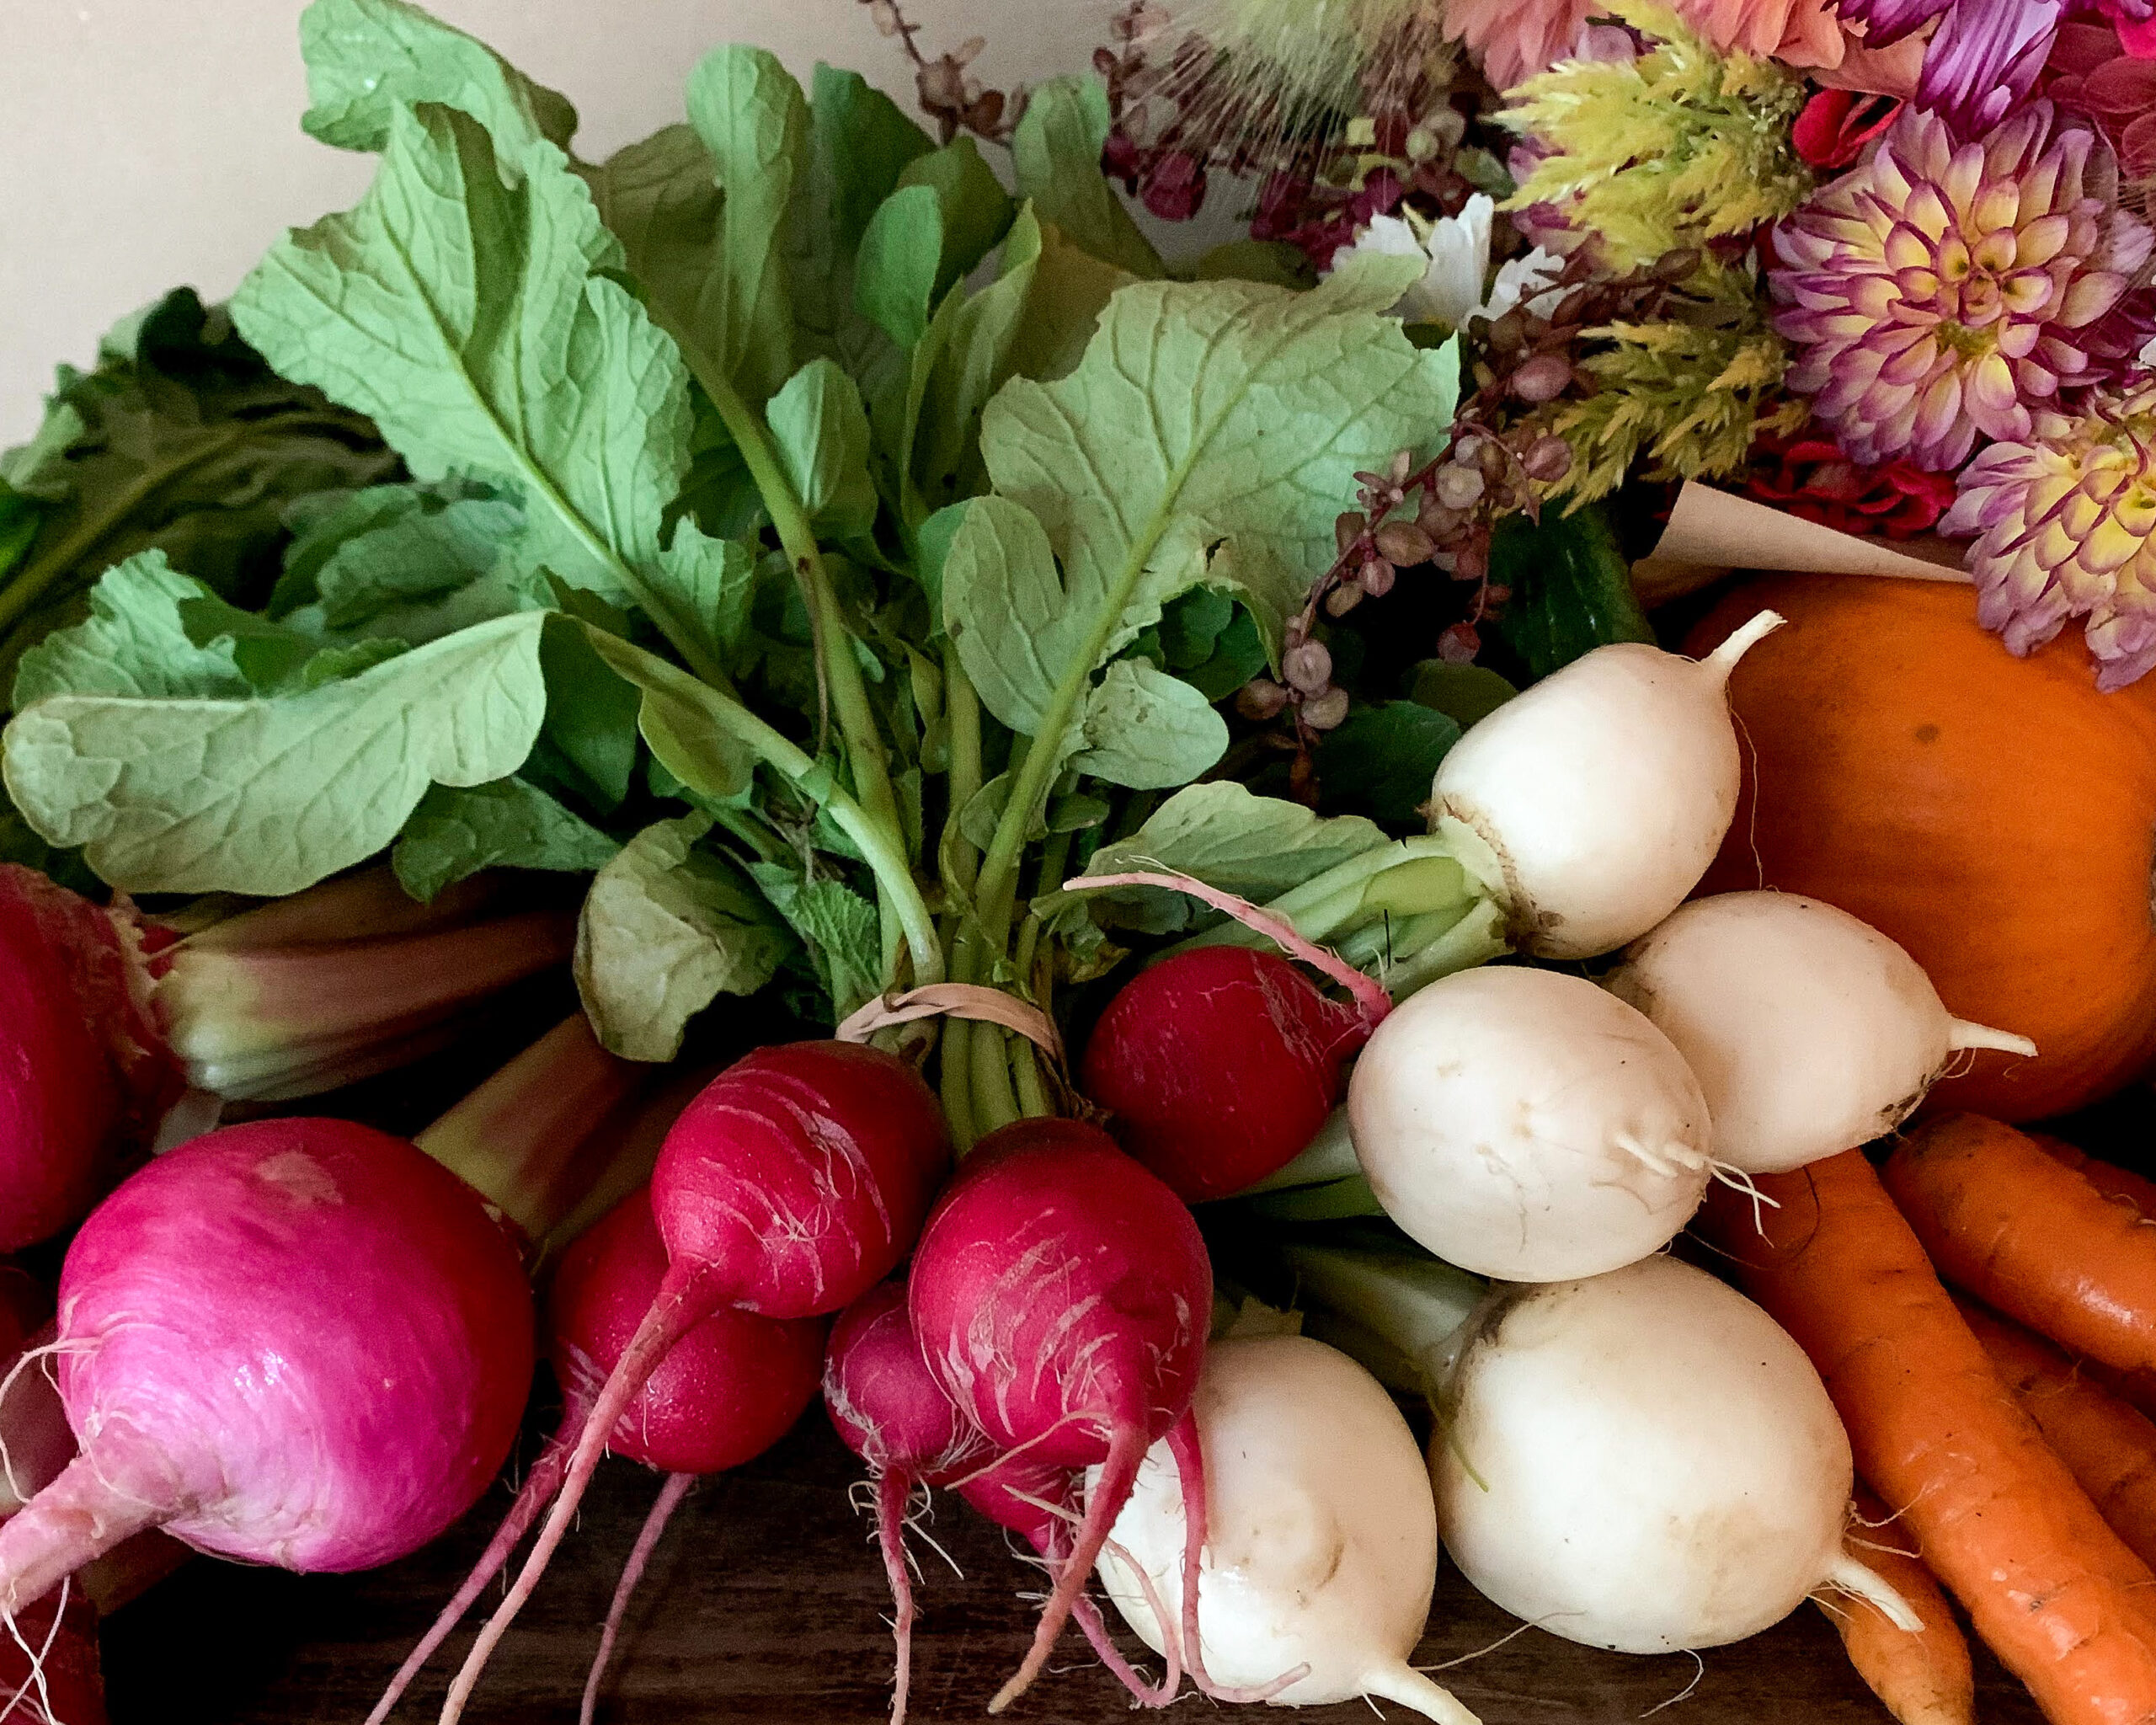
(2061, 1601)
(2109, 1447)
(2121, 1185)
(1924, 1678)
(2030, 1237)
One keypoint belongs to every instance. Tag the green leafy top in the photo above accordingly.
(793, 527)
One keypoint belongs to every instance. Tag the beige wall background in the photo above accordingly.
(148, 143)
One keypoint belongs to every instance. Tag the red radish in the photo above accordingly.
(726, 1390)
(296, 1341)
(1219, 1064)
(789, 1187)
(81, 1072)
(1061, 1294)
(1039, 1501)
(724, 1393)
(895, 1416)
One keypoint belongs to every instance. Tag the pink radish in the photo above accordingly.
(895, 1416)
(1061, 1295)
(1219, 1064)
(1041, 1504)
(83, 1075)
(298, 1341)
(789, 1187)
(729, 1389)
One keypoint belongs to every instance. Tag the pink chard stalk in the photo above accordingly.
(109, 1019)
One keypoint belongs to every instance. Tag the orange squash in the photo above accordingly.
(1996, 816)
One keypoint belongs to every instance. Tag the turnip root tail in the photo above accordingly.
(539, 1487)
(1723, 659)
(1962, 1033)
(1848, 1576)
(1412, 1689)
(98, 1500)
(684, 1299)
(654, 1527)
(1126, 1449)
(894, 1488)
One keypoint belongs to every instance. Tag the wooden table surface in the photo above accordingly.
(766, 1603)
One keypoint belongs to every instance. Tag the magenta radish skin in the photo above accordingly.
(791, 1186)
(885, 1404)
(799, 1178)
(891, 1412)
(299, 1342)
(1219, 1066)
(724, 1393)
(1061, 1295)
(83, 1073)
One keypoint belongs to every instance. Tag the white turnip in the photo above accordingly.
(1322, 1545)
(1604, 791)
(1809, 1032)
(1644, 1461)
(1526, 1124)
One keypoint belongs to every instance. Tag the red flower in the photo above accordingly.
(1813, 480)
(2093, 70)
(1836, 125)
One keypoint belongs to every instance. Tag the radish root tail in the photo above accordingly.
(1190, 1467)
(1126, 1449)
(682, 1303)
(539, 1486)
(670, 1494)
(894, 1491)
(1088, 1618)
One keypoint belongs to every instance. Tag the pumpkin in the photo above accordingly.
(1996, 816)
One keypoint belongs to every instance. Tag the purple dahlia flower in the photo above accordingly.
(1984, 58)
(2067, 526)
(1937, 289)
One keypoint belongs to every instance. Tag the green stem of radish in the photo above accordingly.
(879, 843)
(1412, 877)
(1416, 1303)
(866, 758)
(960, 863)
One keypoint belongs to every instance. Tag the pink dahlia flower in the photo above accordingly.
(2067, 525)
(1937, 290)
(1512, 40)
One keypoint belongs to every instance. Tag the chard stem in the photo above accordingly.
(519, 1139)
